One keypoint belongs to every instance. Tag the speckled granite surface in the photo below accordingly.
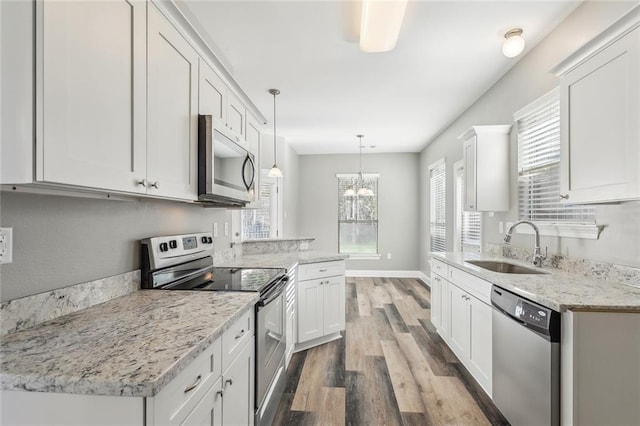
(25, 312)
(281, 260)
(276, 245)
(130, 346)
(557, 289)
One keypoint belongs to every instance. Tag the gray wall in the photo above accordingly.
(525, 82)
(397, 205)
(61, 241)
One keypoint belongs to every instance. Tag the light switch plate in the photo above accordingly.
(6, 245)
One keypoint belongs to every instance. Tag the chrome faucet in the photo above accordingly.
(537, 254)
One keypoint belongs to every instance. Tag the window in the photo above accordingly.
(467, 229)
(263, 222)
(358, 214)
(438, 211)
(539, 166)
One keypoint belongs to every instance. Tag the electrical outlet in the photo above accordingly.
(215, 230)
(388, 256)
(6, 245)
(226, 229)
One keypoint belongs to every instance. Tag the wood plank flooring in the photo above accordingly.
(391, 367)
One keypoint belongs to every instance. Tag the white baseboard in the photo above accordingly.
(387, 274)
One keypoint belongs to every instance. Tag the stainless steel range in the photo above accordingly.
(185, 262)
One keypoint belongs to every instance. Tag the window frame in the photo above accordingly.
(558, 228)
(361, 256)
(458, 214)
(437, 164)
(275, 225)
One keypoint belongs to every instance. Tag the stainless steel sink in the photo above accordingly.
(504, 267)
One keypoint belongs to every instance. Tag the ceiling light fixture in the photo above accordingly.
(362, 189)
(275, 170)
(380, 24)
(513, 44)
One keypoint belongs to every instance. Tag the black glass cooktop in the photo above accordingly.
(233, 279)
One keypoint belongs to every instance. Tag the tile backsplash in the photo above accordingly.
(589, 268)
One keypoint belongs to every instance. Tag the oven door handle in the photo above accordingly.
(273, 294)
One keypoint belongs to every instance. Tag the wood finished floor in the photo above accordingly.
(391, 368)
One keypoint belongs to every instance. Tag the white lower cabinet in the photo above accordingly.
(208, 412)
(321, 301)
(462, 309)
(238, 389)
(291, 314)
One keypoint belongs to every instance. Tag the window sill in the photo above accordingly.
(359, 256)
(587, 232)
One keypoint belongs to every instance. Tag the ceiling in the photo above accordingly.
(448, 54)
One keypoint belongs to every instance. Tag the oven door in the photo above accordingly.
(270, 348)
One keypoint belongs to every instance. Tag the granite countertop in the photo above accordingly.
(282, 260)
(556, 289)
(129, 346)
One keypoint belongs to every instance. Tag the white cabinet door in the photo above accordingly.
(600, 139)
(310, 315)
(480, 343)
(237, 383)
(445, 314)
(91, 91)
(436, 303)
(208, 412)
(333, 304)
(459, 332)
(236, 116)
(172, 111)
(212, 94)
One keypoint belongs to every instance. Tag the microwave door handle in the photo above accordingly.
(253, 174)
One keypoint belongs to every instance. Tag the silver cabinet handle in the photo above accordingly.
(229, 382)
(436, 279)
(221, 393)
(143, 182)
(155, 185)
(239, 335)
(322, 270)
(564, 196)
(194, 385)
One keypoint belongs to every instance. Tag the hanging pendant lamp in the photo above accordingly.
(275, 170)
(362, 190)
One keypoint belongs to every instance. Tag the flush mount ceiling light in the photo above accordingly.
(513, 44)
(275, 170)
(380, 24)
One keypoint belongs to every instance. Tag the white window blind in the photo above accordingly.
(539, 165)
(438, 211)
(468, 223)
(358, 214)
(262, 222)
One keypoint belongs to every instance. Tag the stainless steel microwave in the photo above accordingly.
(226, 170)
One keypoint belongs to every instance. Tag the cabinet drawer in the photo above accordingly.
(439, 268)
(313, 271)
(236, 336)
(471, 284)
(180, 396)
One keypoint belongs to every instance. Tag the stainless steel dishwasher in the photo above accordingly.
(526, 360)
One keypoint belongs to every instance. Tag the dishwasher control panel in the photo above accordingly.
(532, 314)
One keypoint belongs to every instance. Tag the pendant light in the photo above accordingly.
(275, 170)
(362, 190)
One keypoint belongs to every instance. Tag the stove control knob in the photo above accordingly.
(204, 240)
(209, 240)
(163, 247)
(173, 244)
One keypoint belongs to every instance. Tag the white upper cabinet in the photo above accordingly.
(172, 111)
(600, 116)
(212, 94)
(91, 87)
(236, 117)
(486, 168)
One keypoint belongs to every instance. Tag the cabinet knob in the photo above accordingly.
(221, 393)
(470, 206)
(143, 182)
(564, 196)
(228, 382)
(155, 185)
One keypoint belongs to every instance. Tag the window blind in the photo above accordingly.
(468, 222)
(358, 214)
(261, 223)
(438, 211)
(539, 165)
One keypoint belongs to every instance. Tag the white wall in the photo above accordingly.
(397, 205)
(525, 82)
(61, 241)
